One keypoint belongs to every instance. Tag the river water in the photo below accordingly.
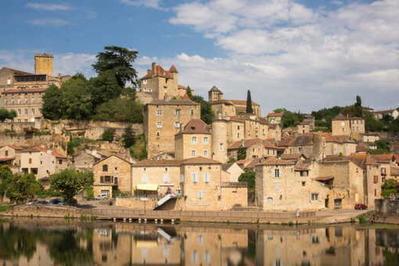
(56, 242)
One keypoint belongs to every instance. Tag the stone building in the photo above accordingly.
(152, 178)
(85, 160)
(10, 155)
(225, 108)
(163, 120)
(160, 84)
(23, 91)
(194, 140)
(275, 118)
(112, 174)
(348, 126)
(42, 162)
(254, 148)
(288, 185)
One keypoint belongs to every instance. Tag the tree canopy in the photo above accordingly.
(5, 114)
(119, 60)
(22, 187)
(70, 182)
(249, 109)
(103, 97)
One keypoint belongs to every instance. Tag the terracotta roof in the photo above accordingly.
(380, 158)
(173, 102)
(158, 71)
(228, 102)
(57, 154)
(6, 159)
(254, 163)
(275, 114)
(199, 160)
(245, 143)
(243, 163)
(324, 178)
(16, 71)
(157, 163)
(242, 102)
(214, 88)
(336, 139)
(276, 161)
(302, 165)
(295, 156)
(359, 158)
(196, 126)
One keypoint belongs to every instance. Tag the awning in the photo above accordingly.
(147, 187)
(324, 178)
(146, 244)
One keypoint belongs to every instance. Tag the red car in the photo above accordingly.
(360, 206)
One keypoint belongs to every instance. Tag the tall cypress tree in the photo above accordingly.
(249, 109)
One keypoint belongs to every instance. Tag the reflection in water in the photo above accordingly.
(32, 242)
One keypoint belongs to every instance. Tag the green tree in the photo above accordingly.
(248, 177)
(358, 102)
(120, 60)
(104, 87)
(249, 109)
(108, 135)
(383, 146)
(390, 188)
(5, 179)
(128, 137)
(289, 119)
(53, 108)
(120, 110)
(70, 182)
(241, 153)
(76, 98)
(207, 114)
(5, 114)
(22, 188)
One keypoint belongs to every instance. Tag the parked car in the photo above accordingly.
(360, 206)
(56, 201)
(102, 196)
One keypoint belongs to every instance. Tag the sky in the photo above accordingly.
(299, 54)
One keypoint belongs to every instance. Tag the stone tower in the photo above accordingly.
(219, 141)
(44, 64)
(214, 94)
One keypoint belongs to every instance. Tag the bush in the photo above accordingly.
(108, 135)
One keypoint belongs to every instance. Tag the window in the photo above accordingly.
(206, 140)
(205, 153)
(315, 196)
(177, 112)
(276, 172)
(158, 134)
(383, 171)
(200, 195)
(192, 112)
(221, 147)
(177, 124)
(105, 168)
(375, 179)
(6, 153)
(59, 161)
(193, 153)
(207, 178)
(304, 173)
(159, 112)
(159, 124)
(30, 160)
(194, 140)
(303, 183)
(166, 179)
(194, 177)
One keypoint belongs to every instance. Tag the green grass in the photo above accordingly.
(4, 207)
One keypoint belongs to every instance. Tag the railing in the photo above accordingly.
(129, 213)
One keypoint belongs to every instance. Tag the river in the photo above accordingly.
(57, 242)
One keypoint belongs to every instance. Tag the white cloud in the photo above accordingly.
(146, 3)
(291, 55)
(48, 6)
(51, 22)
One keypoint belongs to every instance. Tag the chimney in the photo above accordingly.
(153, 67)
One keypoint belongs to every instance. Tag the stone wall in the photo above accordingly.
(387, 207)
(135, 203)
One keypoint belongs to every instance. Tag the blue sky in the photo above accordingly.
(302, 54)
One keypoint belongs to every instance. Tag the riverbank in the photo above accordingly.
(112, 213)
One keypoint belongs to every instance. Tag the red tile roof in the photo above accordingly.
(158, 71)
(196, 126)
